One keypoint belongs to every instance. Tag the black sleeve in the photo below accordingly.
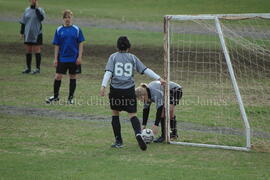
(145, 115)
(22, 28)
(39, 15)
(158, 115)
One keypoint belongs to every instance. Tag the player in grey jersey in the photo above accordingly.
(31, 31)
(153, 93)
(120, 70)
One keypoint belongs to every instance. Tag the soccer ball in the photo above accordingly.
(147, 135)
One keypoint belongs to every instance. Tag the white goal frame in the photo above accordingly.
(216, 18)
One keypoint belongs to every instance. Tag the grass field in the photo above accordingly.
(140, 10)
(39, 141)
(45, 148)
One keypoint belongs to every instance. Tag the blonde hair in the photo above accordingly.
(67, 12)
(141, 90)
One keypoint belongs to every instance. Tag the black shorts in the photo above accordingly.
(175, 95)
(72, 68)
(123, 100)
(39, 41)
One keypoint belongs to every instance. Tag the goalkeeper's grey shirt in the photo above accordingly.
(122, 66)
(157, 85)
(156, 93)
(32, 24)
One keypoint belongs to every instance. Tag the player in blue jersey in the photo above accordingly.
(31, 32)
(68, 41)
(153, 93)
(120, 70)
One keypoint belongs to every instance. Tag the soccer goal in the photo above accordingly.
(223, 64)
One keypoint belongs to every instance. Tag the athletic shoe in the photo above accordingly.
(173, 135)
(26, 71)
(159, 140)
(70, 100)
(36, 71)
(117, 144)
(141, 142)
(52, 99)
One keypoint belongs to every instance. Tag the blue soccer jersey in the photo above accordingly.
(68, 39)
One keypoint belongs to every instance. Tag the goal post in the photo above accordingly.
(208, 55)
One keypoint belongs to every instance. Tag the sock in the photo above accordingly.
(162, 124)
(116, 128)
(28, 60)
(38, 60)
(56, 87)
(72, 87)
(173, 126)
(136, 125)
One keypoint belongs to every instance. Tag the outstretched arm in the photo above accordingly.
(141, 68)
(153, 75)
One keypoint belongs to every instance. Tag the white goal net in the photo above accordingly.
(223, 64)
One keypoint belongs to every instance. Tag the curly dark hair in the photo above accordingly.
(123, 43)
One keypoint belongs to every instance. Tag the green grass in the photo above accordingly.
(46, 148)
(34, 147)
(140, 10)
(9, 32)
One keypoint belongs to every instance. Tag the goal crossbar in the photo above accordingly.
(219, 16)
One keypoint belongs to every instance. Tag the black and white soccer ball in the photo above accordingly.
(147, 135)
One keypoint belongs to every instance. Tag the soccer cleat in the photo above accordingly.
(141, 142)
(70, 100)
(52, 99)
(36, 71)
(117, 144)
(173, 135)
(159, 140)
(26, 71)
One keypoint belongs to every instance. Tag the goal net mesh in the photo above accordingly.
(209, 112)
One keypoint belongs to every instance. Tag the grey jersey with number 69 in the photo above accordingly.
(122, 66)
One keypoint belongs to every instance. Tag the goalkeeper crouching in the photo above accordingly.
(153, 93)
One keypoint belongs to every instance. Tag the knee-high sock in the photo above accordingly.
(72, 87)
(162, 124)
(136, 125)
(56, 87)
(173, 125)
(38, 60)
(28, 60)
(116, 128)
